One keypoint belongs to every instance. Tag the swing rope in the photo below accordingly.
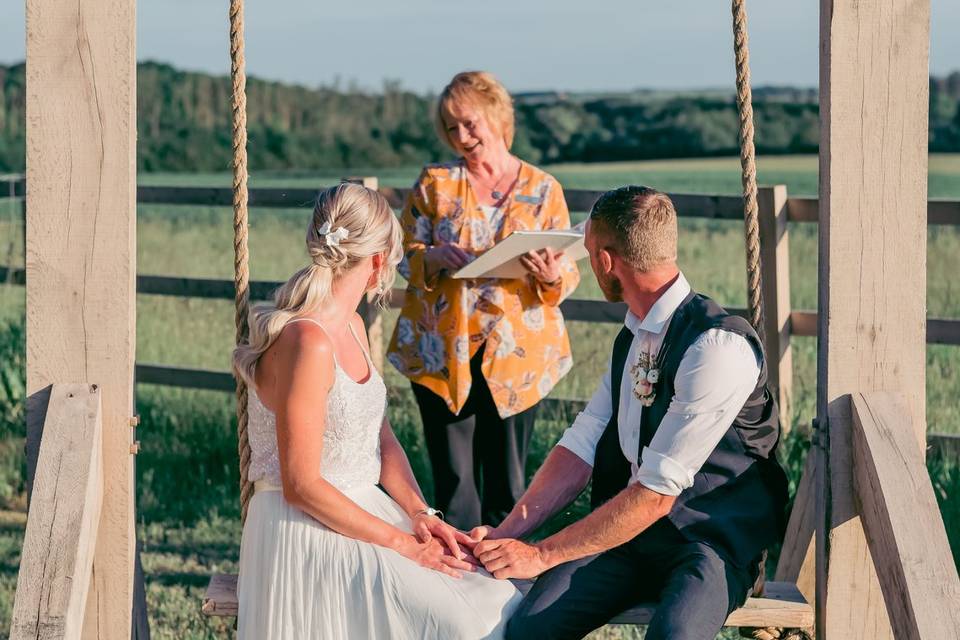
(748, 165)
(241, 270)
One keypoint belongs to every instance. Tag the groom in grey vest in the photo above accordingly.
(679, 443)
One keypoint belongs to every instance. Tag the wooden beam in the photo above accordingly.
(80, 253)
(781, 606)
(797, 562)
(61, 535)
(775, 266)
(873, 230)
(902, 521)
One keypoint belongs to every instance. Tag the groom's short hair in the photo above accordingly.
(639, 224)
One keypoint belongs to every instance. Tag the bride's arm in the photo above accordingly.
(303, 369)
(396, 476)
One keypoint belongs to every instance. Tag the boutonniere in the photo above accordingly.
(645, 375)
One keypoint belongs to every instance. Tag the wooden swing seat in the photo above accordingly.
(782, 605)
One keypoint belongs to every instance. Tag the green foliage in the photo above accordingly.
(183, 123)
(12, 410)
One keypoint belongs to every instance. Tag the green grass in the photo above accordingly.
(187, 507)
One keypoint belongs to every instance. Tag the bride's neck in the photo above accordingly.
(339, 307)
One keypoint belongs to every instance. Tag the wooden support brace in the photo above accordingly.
(902, 521)
(62, 525)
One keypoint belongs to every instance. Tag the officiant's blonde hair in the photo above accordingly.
(639, 224)
(361, 225)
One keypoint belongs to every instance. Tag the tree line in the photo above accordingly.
(183, 121)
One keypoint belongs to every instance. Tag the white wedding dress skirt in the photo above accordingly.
(300, 580)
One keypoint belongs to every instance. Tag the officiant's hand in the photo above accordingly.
(543, 265)
(510, 558)
(446, 256)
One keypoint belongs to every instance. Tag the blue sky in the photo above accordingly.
(556, 44)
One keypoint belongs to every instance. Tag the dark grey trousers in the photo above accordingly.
(478, 458)
(696, 588)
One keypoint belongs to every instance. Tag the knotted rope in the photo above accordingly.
(748, 164)
(241, 271)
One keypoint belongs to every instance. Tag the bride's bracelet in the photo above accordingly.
(430, 511)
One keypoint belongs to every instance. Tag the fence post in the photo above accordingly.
(369, 310)
(775, 265)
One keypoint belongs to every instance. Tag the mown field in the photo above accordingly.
(187, 509)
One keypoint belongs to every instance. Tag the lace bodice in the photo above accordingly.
(351, 438)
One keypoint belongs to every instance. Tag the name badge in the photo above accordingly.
(529, 199)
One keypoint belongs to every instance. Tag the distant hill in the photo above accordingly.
(184, 123)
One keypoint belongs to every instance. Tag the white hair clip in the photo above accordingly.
(335, 236)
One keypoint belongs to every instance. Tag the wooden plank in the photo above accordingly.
(59, 543)
(873, 231)
(14, 183)
(781, 606)
(797, 562)
(80, 251)
(803, 209)
(202, 287)
(273, 197)
(775, 282)
(902, 521)
(939, 212)
(14, 275)
(220, 598)
(943, 212)
(185, 377)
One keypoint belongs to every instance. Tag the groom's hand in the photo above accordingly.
(510, 558)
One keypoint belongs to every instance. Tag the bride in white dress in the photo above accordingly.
(327, 553)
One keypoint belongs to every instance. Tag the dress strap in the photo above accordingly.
(316, 322)
(366, 354)
(336, 362)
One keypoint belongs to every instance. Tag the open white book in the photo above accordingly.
(503, 259)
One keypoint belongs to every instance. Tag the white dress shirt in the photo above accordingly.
(715, 378)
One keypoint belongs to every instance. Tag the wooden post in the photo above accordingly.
(775, 264)
(873, 214)
(80, 253)
(369, 309)
(58, 545)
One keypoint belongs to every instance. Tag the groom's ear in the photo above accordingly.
(605, 260)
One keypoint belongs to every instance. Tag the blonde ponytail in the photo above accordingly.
(365, 226)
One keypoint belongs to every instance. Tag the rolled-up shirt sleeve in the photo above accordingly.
(582, 436)
(714, 380)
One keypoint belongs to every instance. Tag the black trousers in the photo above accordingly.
(478, 458)
(696, 588)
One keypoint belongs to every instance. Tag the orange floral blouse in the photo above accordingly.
(445, 320)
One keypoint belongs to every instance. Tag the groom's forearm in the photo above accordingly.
(619, 520)
(558, 482)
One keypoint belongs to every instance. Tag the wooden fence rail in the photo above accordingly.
(776, 211)
(716, 207)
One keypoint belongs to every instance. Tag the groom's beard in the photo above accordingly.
(611, 288)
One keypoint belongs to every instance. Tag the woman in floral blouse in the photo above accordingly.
(480, 353)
